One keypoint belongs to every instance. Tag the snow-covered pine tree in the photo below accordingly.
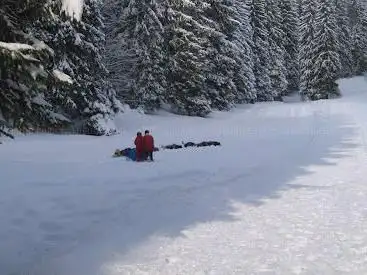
(115, 57)
(22, 86)
(224, 59)
(187, 51)
(344, 38)
(242, 37)
(78, 46)
(325, 52)
(58, 33)
(261, 49)
(100, 96)
(290, 25)
(111, 11)
(358, 24)
(307, 37)
(136, 54)
(23, 70)
(150, 78)
(277, 51)
(299, 11)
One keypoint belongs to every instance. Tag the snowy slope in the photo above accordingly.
(285, 194)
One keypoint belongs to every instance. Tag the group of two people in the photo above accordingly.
(144, 146)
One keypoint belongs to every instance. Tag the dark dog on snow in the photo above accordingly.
(208, 143)
(189, 144)
(172, 147)
(214, 143)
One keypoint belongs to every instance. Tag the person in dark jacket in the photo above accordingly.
(148, 143)
(139, 147)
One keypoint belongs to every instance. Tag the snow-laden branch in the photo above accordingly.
(73, 8)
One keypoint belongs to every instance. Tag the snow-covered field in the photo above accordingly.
(285, 194)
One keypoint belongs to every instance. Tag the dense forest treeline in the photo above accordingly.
(188, 56)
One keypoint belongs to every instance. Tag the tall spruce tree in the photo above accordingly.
(24, 73)
(224, 59)
(325, 52)
(344, 38)
(307, 37)
(261, 49)
(118, 60)
(290, 26)
(358, 24)
(101, 101)
(278, 71)
(188, 46)
(139, 43)
(242, 37)
(78, 46)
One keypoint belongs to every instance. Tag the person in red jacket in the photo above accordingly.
(148, 142)
(139, 147)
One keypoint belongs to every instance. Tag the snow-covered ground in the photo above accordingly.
(285, 194)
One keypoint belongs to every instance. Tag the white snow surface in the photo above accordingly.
(286, 193)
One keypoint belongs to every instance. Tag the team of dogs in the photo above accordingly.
(192, 144)
(125, 152)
